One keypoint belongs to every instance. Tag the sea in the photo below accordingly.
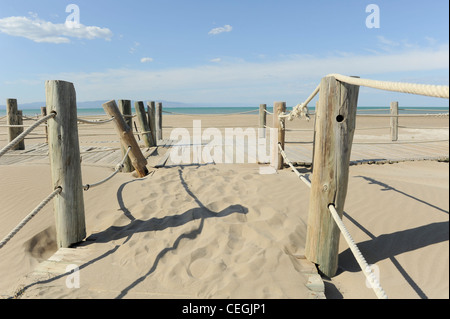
(243, 110)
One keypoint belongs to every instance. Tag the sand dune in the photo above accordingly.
(226, 231)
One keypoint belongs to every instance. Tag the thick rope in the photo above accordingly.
(19, 138)
(301, 110)
(246, 112)
(301, 176)
(15, 126)
(30, 216)
(358, 256)
(441, 91)
(95, 121)
(403, 115)
(118, 169)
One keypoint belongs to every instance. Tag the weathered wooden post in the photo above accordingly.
(394, 121)
(44, 114)
(278, 125)
(262, 120)
(14, 118)
(335, 126)
(125, 109)
(64, 150)
(127, 138)
(143, 122)
(151, 121)
(158, 121)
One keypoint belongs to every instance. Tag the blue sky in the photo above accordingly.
(242, 52)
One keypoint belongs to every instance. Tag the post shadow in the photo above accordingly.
(387, 187)
(387, 246)
(153, 224)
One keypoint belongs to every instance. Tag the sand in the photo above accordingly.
(227, 231)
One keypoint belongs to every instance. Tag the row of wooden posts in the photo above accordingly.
(64, 150)
(335, 120)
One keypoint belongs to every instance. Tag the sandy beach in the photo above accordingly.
(228, 231)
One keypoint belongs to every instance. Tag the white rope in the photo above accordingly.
(301, 176)
(30, 216)
(301, 110)
(95, 121)
(118, 169)
(358, 256)
(19, 138)
(403, 115)
(441, 91)
(246, 112)
(15, 126)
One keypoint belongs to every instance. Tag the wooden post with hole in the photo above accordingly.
(14, 117)
(278, 125)
(44, 114)
(262, 120)
(127, 138)
(125, 109)
(335, 126)
(394, 121)
(143, 123)
(64, 151)
(151, 109)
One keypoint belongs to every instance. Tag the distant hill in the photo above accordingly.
(98, 104)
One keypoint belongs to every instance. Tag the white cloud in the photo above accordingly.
(225, 28)
(42, 31)
(145, 60)
(291, 79)
(216, 60)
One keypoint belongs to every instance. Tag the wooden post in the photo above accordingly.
(158, 121)
(143, 122)
(14, 118)
(262, 120)
(335, 126)
(125, 109)
(44, 114)
(278, 125)
(127, 138)
(151, 121)
(64, 150)
(394, 121)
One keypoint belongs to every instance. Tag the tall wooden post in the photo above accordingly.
(394, 121)
(127, 138)
(44, 114)
(335, 126)
(262, 120)
(158, 121)
(278, 125)
(14, 118)
(125, 109)
(64, 150)
(143, 122)
(151, 109)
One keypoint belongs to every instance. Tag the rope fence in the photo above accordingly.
(118, 169)
(367, 270)
(30, 216)
(375, 285)
(340, 167)
(218, 114)
(19, 138)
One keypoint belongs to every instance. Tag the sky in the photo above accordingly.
(234, 52)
